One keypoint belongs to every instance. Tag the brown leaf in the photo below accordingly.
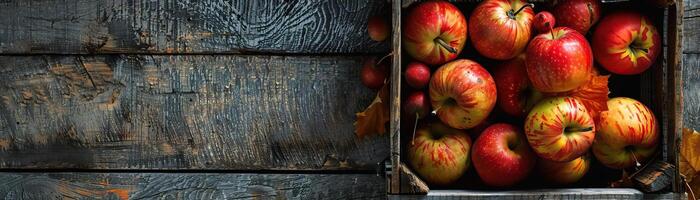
(690, 158)
(371, 121)
(593, 95)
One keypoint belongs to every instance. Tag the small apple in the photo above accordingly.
(627, 134)
(500, 29)
(440, 154)
(559, 60)
(434, 32)
(560, 129)
(462, 93)
(417, 75)
(501, 155)
(417, 104)
(564, 172)
(516, 96)
(373, 75)
(626, 43)
(579, 15)
(377, 28)
(544, 22)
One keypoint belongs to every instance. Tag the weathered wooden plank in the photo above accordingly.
(691, 64)
(172, 26)
(190, 186)
(175, 112)
(578, 193)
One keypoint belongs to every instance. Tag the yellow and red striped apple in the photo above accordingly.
(627, 134)
(462, 93)
(626, 43)
(500, 29)
(559, 60)
(434, 32)
(560, 129)
(564, 172)
(440, 154)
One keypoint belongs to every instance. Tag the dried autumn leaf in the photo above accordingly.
(593, 95)
(690, 157)
(372, 119)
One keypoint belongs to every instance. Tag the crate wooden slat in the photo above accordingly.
(691, 63)
(189, 186)
(662, 89)
(171, 26)
(242, 112)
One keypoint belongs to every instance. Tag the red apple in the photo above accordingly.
(500, 29)
(501, 155)
(544, 22)
(626, 43)
(417, 103)
(377, 28)
(560, 129)
(627, 134)
(559, 60)
(462, 93)
(440, 154)
(579, 15)
(564, 172)
(417, 75)
(515, 94)
(434, 32)
(373, 75)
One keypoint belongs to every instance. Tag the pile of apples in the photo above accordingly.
(539, 55)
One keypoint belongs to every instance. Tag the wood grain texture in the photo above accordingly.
(691, 64)
(172, 26)
(189, 186)
(184, 112)
(395, 106)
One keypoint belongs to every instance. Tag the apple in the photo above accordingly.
(564, 172)
(417, 104)
(559, 60)
(560, 129)
(626, 43)
(440, 154)
(544, 22)
(462, 93)
(515, 94)
(579, 15)
(434, 32)
(417, 75)
(501, 155)
(627, 134)
(373, 75)
(377, 28)
(500, 29)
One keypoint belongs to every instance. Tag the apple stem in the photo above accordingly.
(387, 55)
(551, 29)
(521, 9)
(688, 188)
(445, 45)
(415, 125)
(635, 159)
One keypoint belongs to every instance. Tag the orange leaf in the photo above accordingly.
(690, 158)
(372, 119)
(593, 95)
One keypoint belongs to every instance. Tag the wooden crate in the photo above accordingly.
(660, 88)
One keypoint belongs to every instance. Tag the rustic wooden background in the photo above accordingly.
(243, 100)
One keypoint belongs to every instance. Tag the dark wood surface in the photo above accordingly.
(691, 64)
(189, 186)
(184, 112)
(171, 26)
